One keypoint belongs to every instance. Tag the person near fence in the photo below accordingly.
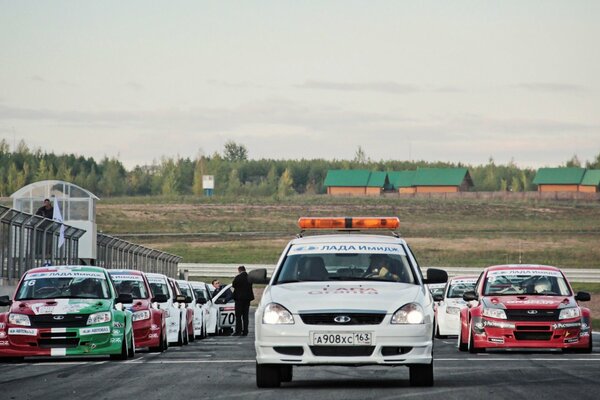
(46, 211)
(242, 295)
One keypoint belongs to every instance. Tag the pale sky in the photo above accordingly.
(444, 80)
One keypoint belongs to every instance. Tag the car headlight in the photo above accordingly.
(453, 310)
(99, 318)
(140, 315)
(411, 313)
(276, 314)
(572, 312)
(19, 319)
(497, 313)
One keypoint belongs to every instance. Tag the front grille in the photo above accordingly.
(532, 315)
(67, 321)
(342, 351)
(533, 335)
(289, 350)
(533, 328)
(355, 318)
(56, 334)
(58, 343)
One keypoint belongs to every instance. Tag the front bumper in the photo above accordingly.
(21, 341)
(565, 334)
(391, 345)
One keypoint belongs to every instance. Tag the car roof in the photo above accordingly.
(349, 237)
(197, 283)
(456, 278)
(124, 272)
(522, 266)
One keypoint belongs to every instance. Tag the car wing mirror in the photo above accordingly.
(5, 301)
(160, 298)
(470, 296)
(438, 297)
(180, 298)
(125, 298)
(258, 276)
(188, 299)
(435, 275)
(583, 296)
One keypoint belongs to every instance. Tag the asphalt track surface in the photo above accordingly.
(223, 368)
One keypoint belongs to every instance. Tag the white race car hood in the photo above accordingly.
(452, 302)
(321, 296)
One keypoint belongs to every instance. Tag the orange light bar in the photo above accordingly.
(349, 223)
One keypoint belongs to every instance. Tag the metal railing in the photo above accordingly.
(116, 253)
(588, 275)
(29, 241)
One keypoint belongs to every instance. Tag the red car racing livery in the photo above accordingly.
(524, 306)
(149, 326)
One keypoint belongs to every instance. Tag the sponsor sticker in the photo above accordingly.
(559, 325)
(156, 279)
(331, 248)
(153, 335)
(116, 340)
(2, 335)
(2, 325)
(22, 331)
(64, 274)
(521, 272)
(496, 340)
(532, 301)
(572, 340)
(120, 278)
(498, 324)
(94, 331)
(469, 281)
(117, 324)
(3, 342)
(348, 290)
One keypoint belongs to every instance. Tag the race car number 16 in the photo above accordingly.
(341, 338)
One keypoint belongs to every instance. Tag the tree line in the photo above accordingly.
(235, 174)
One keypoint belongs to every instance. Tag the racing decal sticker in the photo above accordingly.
(463, 281)
(572, 340)
(94, 331)
(22, 331)
(120, 278)
(117, 332)
(531, 301)
(496, 340)
(117, 324)
(2, 334)
(498, 324)
(331, 248)
(2, 325)
(566, 325)
(156, 279)
(116, 340)
(521, 272)
(153, 335)
(64, 274)
(349, 290)
(58, 352)
(61, 306)
(3, 342)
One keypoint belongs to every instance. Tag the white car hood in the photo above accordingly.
(455, 302)
(321, 296)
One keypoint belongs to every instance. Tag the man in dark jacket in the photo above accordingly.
(243, 295)
(46, 211)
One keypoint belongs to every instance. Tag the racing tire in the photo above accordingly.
(124, 351)
(421, 374)
(12, 359)
(162, 346)
(131, 349)
(585, 350)
(179, 339)
(186, 337)
(268, 375)
(286, 373)
(192, 336)
(472, 348)
(462, 346)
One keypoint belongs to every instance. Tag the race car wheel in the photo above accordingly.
(186, 337)
(421, 374)
(462, 346)
(588, 349)
(472, 348)
(11, 359)
(191, 336)
(286, 373)
(124, 351)
(131, 350)
(162, 346)
(179, 339)
(268, 375)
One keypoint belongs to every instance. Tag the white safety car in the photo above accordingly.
(450, 303)
(169, 299)
(348, 298)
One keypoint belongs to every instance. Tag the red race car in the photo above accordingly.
(524, 306)
(149, 326)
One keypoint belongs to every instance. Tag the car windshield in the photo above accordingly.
(158, 286)
(435, 291)
(301, 266)
(130, 284)
(185, 290)
(508, 283)
(458, 288)
(63, 287)
(201, 294)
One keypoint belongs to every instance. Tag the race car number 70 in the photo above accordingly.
(228, 318)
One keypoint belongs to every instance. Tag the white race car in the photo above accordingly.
(222, 312)
(202, 316)
(349, 298)
(449, 304)
(174, 303)
(437, 289)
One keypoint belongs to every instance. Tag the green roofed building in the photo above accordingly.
(401, 181)
(441, 180)
(567, 180)
(347, 182)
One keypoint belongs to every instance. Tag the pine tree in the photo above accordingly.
(197, 188)
(286, 183)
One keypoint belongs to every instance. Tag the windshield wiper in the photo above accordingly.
(288, 281)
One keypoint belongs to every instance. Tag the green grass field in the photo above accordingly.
(441, 232)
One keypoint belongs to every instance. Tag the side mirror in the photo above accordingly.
(5, 301)
(258, 276)
(180, 298)
(188, 299)
(438, 297)
(583, 296)
(125, 298)
(201, 300)
(435, 275)
(470, 296)
(160, 298)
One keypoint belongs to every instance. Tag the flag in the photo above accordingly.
(58, 218)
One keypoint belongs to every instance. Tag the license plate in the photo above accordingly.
(341, 338)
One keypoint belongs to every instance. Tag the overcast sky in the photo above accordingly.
(445, 80)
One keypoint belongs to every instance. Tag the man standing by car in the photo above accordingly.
(243, 295)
